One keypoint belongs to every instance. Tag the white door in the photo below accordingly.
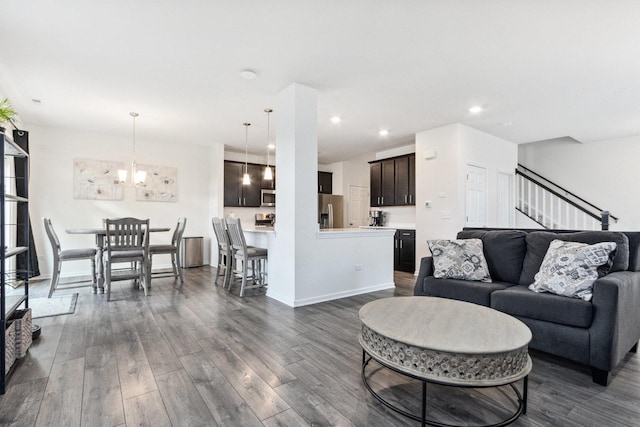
(506, 201)
(358, 206)
(476, 209)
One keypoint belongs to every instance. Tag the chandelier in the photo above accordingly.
(246, 180)
(268, 174)
(137, 177)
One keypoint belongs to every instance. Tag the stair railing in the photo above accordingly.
(554, 207)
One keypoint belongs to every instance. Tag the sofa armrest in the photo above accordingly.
(616, 322)
(426, 269)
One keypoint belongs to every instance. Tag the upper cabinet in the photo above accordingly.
(393, 181)
(405, 180)
(325, 182)
(238, 195)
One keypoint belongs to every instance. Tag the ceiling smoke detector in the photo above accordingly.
(248, 74)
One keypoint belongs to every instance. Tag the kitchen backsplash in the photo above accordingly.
(399, 215)
(247, 215)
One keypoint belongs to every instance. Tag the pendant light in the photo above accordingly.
(268, 174)
(246, 180)
(137, 177)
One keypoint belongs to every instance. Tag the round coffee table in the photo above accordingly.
(447, 342)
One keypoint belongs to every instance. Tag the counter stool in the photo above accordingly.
(224, 250)
(242, 256)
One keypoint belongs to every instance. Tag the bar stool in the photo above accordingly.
(224, 250)
(242, 256)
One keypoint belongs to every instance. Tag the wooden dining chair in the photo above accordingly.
(244, 257)
(224, 250)
(127, 241)
(172, 249)
(60, 255)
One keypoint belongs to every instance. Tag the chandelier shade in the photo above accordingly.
(137, 176)
(268, 173)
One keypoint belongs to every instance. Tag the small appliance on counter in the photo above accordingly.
(265, 219)
(376, 218)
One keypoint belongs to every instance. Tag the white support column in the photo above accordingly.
(296, 209)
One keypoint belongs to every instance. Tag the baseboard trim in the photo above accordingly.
(342, 294)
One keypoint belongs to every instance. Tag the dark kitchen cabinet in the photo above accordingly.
(405, 180)
(393, 181)
(405, 251)
(325, 182)
(236, 194)
(382, 183)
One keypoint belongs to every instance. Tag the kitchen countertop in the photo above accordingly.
(392, 227)
(330, 233)
(254, 229)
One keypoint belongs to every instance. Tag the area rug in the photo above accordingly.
(54, 306)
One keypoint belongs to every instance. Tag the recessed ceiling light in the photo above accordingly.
(36, 101)
(475, 109)
(384, 132)
(271, 146)
(336, 119)
(248, 74)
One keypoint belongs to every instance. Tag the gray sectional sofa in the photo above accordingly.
(597, 333)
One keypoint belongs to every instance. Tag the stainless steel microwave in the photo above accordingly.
(267, 198)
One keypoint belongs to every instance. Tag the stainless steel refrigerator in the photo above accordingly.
(330, 211)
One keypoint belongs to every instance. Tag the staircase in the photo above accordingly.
(554, 207)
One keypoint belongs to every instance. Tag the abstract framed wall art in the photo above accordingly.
(97, 180)
(160, 184)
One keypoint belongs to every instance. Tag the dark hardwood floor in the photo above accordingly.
(197, 355)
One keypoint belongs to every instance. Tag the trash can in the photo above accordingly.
(192, 251)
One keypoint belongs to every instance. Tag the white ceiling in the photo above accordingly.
(548, 68)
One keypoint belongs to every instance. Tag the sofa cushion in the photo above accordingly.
(521, 302)
(538, 243)
(504, 251)
(459, 259)
(634, 250)
(570, 268)
(462, 290)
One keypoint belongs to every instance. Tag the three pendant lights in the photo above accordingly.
(268, 173)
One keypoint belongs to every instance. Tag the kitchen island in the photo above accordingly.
(345, 262)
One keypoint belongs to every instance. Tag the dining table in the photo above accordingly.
(100, 234)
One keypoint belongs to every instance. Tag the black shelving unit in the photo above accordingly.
(10, 303)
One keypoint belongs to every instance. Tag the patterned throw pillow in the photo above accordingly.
(570, 268)
(459, 259)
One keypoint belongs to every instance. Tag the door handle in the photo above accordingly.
(382, 201)
(405, 199)
(244, 201)
(378, 199)
(239, 201)
(396, 244)
(409, 198)
(400, 244)
(321, 188)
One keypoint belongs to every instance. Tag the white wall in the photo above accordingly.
(604, 173)
(349, 172)
(51, 189)
(442, 180)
